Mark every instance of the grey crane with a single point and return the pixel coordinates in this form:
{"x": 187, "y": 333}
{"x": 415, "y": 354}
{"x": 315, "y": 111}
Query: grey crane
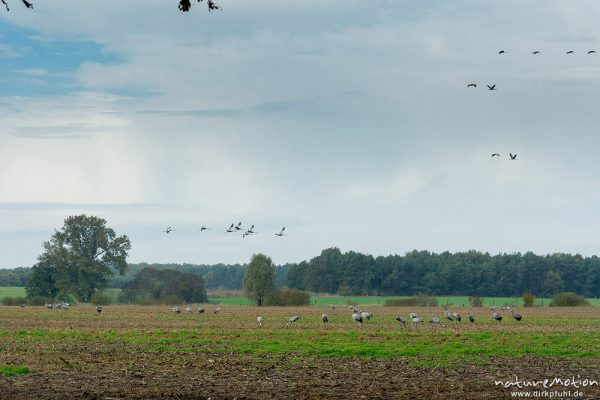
{"x": 280, "y": 234}
{"x": 324, "y": 318}
{"x": 98, "y": 308}
{"x": 435, "y": 320}
{"x": 496, "y": 155}
{"x": 401, "y": 320}
{"x": 497, "y": 317}
{"x": 204, "y": 228}
{"x": 217, "y": 310}
{"x": 366, "y": 315}
{"x": 176, "y": 310}
{"x": 536, "y": 52}
{"x": 415, "y": 319}
{"x": 293, "y": 320}
{"x": 260, "y": 320}
{"x": 471, "y": 85}
{"x": 200, "y": 310}
{"x": 332, "y": 306}
{"x": 493, "y": 87}
{"x": 456, "y": 316}
{"x": 516, "y": 316}
{"x": 169, "y": 230}
{"x": 231, "y": 228}
{"x": 570, "y": 52}
{"x": 502, "y": 52}
{"x": 471, "y": 318}
{"x": 592, "y": 52}
{"x": 357, "y": 317}
{"x": 513, "y": 156}
{"x": 353, "y": 309}
{"x": 238, "y": 227}
{"x": 448, "y": 314}
{"x": 188, "y": 310}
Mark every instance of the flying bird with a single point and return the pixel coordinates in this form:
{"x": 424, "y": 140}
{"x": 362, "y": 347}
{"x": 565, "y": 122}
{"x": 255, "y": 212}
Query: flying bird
{"x": 204, "y": 228}
{"x": 493, "y": 87}
{"x": 281, "y": 233}
{"x": 496, "y": 155}
{"x": 168, "y": 230}
{"x": 513, "y": 156}
{"x": 570, "y": 52}
{"x": 231, "y": 228}
{"x": 251, "y": 230}
{"x": 535, "y": 52}
{"x": 27, "y": 4}
{"x": 238, "y": 227}
{"x": 5, "y": 4}
{"x": 591, "y": 51}
{"x": 472, "y": 85}
{"x": 501, "y": 52}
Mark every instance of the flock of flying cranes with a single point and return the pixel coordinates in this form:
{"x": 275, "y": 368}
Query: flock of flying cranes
{"x": 493, "y": 87}
{"x": 232, "y": 228}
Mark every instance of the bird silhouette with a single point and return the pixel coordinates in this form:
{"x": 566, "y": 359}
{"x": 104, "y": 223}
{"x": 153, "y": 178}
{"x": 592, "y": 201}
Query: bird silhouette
{"x": 238, "y": 227}
{"x": 204, "y": 228}
{"x": 535, "y": 52}
{"x": 501, "y": 52}
{"x": 168, "y": 230}
{"x": 5, "y": 4}
{"x": 212, "y": 6}
{"x": 281, "y": 233}
{"x": 591, "y": 51}
{"x": 496, "y": 155}
{"x": 231, "y": 228}
{"x": 472, "y": 85}
{"x": 251, "y": 230}
{"x": 27, "y": 4}
{"x": 513, "y": 156}
{"x": 570, "y": 52}
{"x": 493, "y": 87}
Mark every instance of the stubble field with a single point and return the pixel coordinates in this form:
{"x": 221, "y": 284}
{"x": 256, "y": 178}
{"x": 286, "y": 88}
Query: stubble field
{"x": 151, "y": 353}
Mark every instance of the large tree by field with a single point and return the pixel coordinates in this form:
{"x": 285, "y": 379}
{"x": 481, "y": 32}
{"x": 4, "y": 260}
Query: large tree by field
{"x": 79, "y": 259}
{"x": 259, "y": 280}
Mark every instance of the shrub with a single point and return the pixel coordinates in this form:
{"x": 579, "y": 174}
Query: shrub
{"x": 13, "y": 301}
{"x": 171, "y": 299}
{"x": 101, "y": 298}
{"x": 295, "y": 297}
{"x": 38, "y": 300}
{"x": 476, "y": 301}
{"x": 420, "y": 300}
{"x": 528, "y": 299}
{"x": 69, "y": 298}
{"x": 287, "y": 297}
{"x": 568, "y": 299}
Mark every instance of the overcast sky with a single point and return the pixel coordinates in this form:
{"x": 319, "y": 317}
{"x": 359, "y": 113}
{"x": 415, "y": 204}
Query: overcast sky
{"x": 348, "y": 122}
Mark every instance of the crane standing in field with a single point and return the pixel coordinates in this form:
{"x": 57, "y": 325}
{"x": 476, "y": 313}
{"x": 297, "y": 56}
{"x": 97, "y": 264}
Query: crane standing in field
{"x": 293, "y": 320}
{"x": 260, "y": 320}
{"x": 325, "y": 318}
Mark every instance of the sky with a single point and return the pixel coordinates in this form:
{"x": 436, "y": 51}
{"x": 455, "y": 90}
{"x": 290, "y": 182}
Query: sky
{"x": 348, "y": 122}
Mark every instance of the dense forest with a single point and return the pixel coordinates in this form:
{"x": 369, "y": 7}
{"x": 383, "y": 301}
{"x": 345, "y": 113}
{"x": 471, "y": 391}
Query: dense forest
{"x": 352, "y": 273}
{"x": 464, "y": 273}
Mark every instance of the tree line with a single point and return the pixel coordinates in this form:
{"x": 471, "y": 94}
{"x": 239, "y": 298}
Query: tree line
{"x": 462, "y": 273}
